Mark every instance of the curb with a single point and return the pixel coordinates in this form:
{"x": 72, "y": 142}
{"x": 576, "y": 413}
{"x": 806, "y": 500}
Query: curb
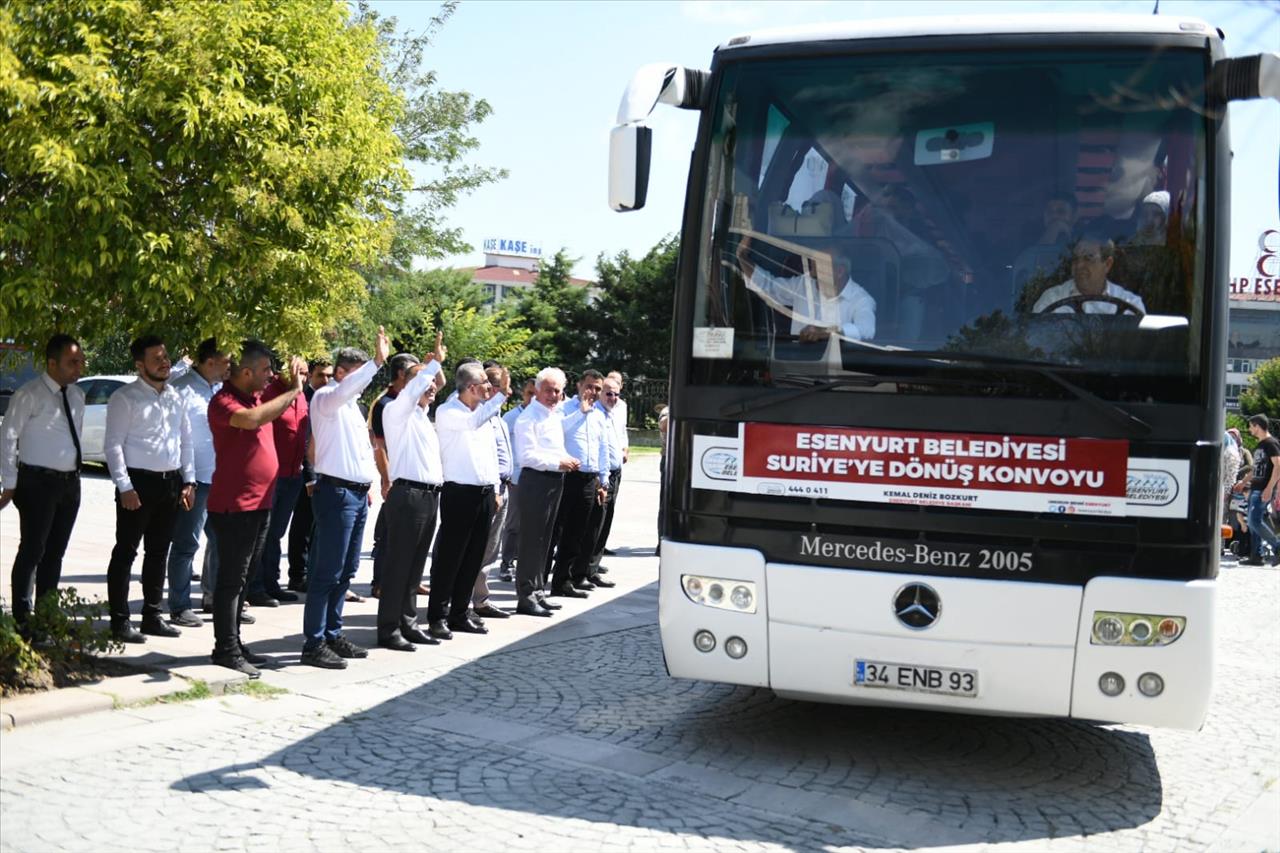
{"x": 148, "y": 684}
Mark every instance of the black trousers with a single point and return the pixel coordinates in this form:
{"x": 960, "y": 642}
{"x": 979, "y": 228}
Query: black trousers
{"x": 466, "y": 512}
{"x": 410, "y": 513}
{"x": 241, "y": 537}
{"x": 578, "y": 521}
{"x": 606, "y": 523}
{"x": 537, "y": 502}
{"x": 379, "y": 554}
{"x": 152, "y": 525}
{"x": 300, "y": 537}
{"x": 47, "y": 502}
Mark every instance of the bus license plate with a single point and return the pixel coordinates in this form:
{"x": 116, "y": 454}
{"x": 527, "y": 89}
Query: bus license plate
{"x": 916, "y": 679}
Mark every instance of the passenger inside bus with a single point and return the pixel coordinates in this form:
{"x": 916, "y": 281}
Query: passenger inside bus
{"x": 1089, "y": 290}
{"x": 818, "y": 308}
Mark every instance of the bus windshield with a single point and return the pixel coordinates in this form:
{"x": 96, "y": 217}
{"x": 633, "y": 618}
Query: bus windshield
{"x": 1021, "y": 207}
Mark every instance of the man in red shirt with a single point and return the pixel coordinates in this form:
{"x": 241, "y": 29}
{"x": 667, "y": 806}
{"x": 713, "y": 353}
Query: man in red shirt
{"x": 291, "y": 431}
{"x": 242, "y": 489}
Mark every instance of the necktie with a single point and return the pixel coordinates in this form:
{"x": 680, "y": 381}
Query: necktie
{"x": 71, "y": 424}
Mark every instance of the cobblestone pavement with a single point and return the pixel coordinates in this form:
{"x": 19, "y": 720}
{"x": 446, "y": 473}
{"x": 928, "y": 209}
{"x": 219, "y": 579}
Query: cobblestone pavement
{"x": 573, "y": 737}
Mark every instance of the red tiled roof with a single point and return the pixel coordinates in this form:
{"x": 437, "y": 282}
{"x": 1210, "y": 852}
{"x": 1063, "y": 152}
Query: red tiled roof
{"x": 509, "y": 275}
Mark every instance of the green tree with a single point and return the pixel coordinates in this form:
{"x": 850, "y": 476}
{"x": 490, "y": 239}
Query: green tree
{"x": 1262, "y": 397}
{"x": 557, "y": 314}
{"x": 434, "y": 128}
{"x": 192, "y": 168}
{"x": 633, "y": 315}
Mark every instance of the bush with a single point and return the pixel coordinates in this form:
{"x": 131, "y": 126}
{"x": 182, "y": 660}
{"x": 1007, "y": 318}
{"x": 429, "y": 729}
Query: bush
{"x": 66, "y": 631}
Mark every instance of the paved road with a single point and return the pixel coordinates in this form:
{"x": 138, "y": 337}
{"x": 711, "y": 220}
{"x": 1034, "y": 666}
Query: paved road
{"x": 567, "y": 734}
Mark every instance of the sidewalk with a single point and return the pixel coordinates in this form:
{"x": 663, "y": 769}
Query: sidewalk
{"x": 172, "y": 666}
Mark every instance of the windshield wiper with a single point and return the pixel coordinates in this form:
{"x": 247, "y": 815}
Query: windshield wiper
{"x": 1115, "y": 413}
{"x": 1131, "y": 422}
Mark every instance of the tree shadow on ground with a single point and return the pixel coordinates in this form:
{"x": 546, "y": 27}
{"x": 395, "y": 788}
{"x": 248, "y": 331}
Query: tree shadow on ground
{"x": 581, "y": 721}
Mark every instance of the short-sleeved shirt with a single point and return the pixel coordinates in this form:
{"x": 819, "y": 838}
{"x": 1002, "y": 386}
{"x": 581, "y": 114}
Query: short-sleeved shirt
{"x": 245, "y": 477}
{"x": 290, "y": 429}
{"x": 375, "y": 413}
{"x": 1262, "y": 463}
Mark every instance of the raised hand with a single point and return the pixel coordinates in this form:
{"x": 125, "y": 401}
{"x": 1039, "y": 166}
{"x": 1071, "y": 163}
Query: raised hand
{"x": 298, "y": 372}
{"x": 381, "y": 347}
{"x": 441, "y": 351}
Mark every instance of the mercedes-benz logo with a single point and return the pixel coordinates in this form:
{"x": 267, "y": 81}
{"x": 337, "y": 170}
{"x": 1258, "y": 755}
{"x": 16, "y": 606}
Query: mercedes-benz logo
{"x": 917, "y": 606}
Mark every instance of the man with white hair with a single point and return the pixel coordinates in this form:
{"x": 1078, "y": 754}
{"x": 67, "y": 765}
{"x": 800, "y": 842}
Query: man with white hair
{"x": 541, "y": 456}
{"x": 468, "y": 500}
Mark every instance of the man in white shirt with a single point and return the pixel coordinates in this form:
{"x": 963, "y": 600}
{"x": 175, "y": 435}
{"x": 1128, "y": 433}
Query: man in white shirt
{"x": 40, "y": 471}
{"x": 468, "y": 500}
{"x": 542, "y": 460}
{"x": 615, "y": 410}
{"x": 197, "y": 387}
{"x": 499, "y": 377}
{"x": 1089, "y": 291}
{"x": 413, "y": 466}
{"x": 818, "y": 309}
{"x": 151, "y": 461}
{"x": 340, "y": 503}
{"x": 511, "y": 528}
{"x": 587, "y": 436}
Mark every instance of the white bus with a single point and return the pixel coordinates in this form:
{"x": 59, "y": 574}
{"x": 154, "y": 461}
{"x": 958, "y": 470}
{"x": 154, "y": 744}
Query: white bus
{"x": 947, "y": 363}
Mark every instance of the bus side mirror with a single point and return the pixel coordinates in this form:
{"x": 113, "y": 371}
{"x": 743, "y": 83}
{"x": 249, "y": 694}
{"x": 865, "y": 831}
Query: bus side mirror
{"x": 630, "y": 148}
{"x": 1244, "y": 78}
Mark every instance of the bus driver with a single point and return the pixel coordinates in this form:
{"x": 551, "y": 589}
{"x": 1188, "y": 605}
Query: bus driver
{"x": 817, "y": 309}
{"x": 1089, "y": 291}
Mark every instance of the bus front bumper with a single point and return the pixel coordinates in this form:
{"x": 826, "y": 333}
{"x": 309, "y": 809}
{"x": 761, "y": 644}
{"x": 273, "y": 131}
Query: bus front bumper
{"x": 994, "y": 646}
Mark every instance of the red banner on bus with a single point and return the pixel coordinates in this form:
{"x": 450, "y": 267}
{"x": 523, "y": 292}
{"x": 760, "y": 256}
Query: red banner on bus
{"x": 989, "y": 462}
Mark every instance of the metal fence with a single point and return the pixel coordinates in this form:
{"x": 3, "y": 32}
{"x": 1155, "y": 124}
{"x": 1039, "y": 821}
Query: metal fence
{"x": 643, "y": 396}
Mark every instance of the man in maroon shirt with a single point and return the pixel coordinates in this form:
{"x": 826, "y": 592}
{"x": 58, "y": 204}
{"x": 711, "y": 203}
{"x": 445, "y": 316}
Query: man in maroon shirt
{"x": 291, "y": 431}
{"x": 242, "y": 489}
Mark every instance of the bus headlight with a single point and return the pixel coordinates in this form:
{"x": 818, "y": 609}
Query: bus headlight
{"x": 735, "y": 647}
{"x": 738, "y": 596}
{"x": 704, "y": 641}
{"x": 1150, "y": 684}
{"x": 1111, "y": 683}
{"x": 1112, "y": 628}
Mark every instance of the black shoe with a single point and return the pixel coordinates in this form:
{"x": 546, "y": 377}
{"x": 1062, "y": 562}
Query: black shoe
{"x": 281, "y": 596}
{"x": 583, "y": 584}
{"x": 488, "y": 611}
{"x": 439, "y": 629}
{"x": 187, "y": 619}
{"x": 396, "y": 643}
{"x": 418, "y": 638}
{"x": 262, "y": 600}
{"x": 527, "y": 607}
{"x": 467, "y": 626}
{"x": 609, "y": 552}
{"x": 323, "y": 657}
{"x": 599, "y": 581}
{"x": 504, "y": 574}
{"x": 255, "y": 659}
{"x": 566, "y": 590}
{"x": 546, "y": 603}
{"x": 297, "y": 586}
{"x": 347, "y": 649}
{"x": 238, "y": 663}
{"x": 157, "y": 627}
{"x": 126, "y": 633}
{"x": 247, "y": 618}
{"x": 206, "y": 604}
{"x": 602, "y": 570}
{"x": 1252, "y": 561}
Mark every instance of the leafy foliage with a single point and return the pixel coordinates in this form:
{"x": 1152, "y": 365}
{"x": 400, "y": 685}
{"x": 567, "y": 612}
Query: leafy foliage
{"x": 192, "y": 168}
{"x": 557, "y": 316}
{"x": 634, "y": 314}
{"x": 70, "y": 629}
{"x": 1263, "y": 394}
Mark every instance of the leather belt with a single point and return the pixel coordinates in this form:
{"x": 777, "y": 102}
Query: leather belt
{"x": 144, "y": 473}
{"x": 414, "y": 484}
{"x": 343, "y": 484}
{"x": 48, "y": 472}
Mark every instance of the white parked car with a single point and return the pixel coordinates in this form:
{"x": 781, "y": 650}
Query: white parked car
{"x": 97, "y": 390}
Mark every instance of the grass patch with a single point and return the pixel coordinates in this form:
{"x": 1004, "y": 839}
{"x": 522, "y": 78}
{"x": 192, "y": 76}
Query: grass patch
{"x": 260, "y": 689}
{"x": 644, "y": 450}
{"x": 198, "y": 690}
